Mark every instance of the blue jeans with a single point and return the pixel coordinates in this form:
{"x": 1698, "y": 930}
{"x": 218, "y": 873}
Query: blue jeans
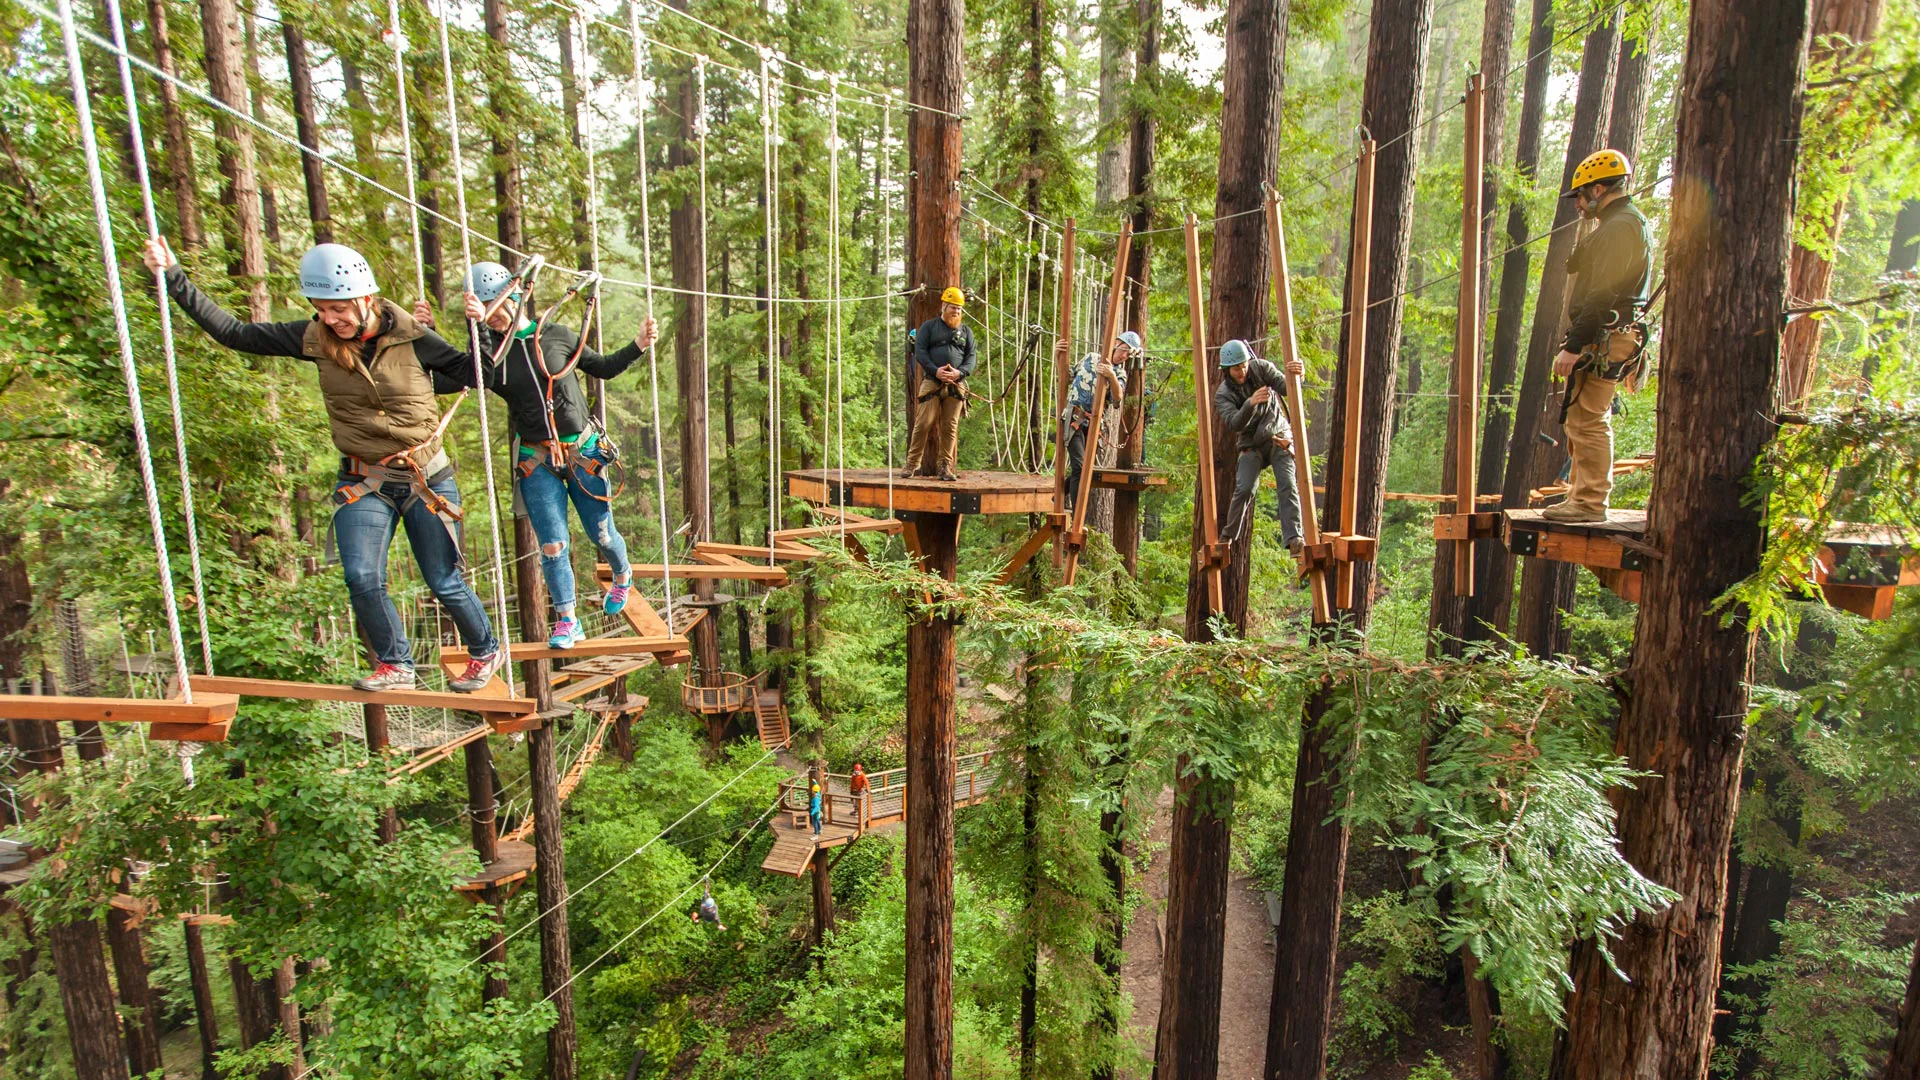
{"x": 545, "y": 497}
{"x": 364, "y": 532}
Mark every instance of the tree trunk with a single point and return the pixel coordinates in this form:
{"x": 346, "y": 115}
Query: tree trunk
{"x": 240, "y": 193}
{"x": 1493, "y": 564}
{"x": 1300, "y": 1016}
{"x": 1140, "y": 146}
{"x": 373, "y": 720}
{"x": 1548, "y": 586}
{"x": 1903, "y": 254}
{"x": 366, "y": 159}
{"x": 742, "y": 622}
{"x": 16, "y": 600}
{"x": 1632, "y": 78}
{"x": 203, "y": 1007}
{"x": 1029, "y": 890}
{"x": 1187, "y": 1043}
{"x": 1810, "y": 274}
{"x": 429, "y": 158}
{"x": 269, "y": 211}
{"x": 300, "y": 77}
{"x": 509, "y": 219}
{"x": 1110, "y": 171}
{"x": 556, "y": 958}
{"x": 1904, "y": 1064}
{"x": 178, "y": 145}
{"x": 1738, "y": 135}
{"x": 93, "y": 1028}
{"x": 483, "y": 818}
{"x": 140, "y": 1017}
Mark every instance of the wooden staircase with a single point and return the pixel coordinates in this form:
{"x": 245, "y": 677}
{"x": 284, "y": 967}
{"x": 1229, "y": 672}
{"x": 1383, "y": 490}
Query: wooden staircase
{"x": 770, "y": 714}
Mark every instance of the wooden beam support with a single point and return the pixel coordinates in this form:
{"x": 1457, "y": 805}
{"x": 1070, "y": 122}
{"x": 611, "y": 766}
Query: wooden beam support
{"x": 1026, "y": 552}
{"x": 1102, "y": 386}
{"x": 768, "y": 575}
{"x": 854, "y": 524}
{"x": 1360, "y": 273}
{"x": 1467, "y": 333}
{"x": 1213, "y": 557}
{"x": 1296, "y": 414}
{"x": 209, "y": 706}
{"x": 606, "y": 646}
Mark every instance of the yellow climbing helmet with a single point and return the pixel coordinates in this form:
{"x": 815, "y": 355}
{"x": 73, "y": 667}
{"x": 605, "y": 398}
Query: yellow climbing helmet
{"x": 953, "y": 295}
{"x": 1598, "y": 166}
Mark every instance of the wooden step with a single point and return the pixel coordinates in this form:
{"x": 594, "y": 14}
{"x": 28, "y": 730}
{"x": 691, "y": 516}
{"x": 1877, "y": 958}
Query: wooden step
{"x": 791, "y": 855}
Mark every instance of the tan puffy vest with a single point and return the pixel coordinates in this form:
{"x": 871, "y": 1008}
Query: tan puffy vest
{"x": 383, "y": 409}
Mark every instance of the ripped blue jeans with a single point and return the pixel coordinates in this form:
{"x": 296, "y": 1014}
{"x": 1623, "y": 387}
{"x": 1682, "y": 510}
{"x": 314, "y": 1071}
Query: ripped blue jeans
{"x": 545, "y": 497}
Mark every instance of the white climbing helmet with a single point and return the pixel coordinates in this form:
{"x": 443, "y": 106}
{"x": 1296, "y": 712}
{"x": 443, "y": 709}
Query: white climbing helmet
{"x": 486, "y": 280}
{"x": 335, "y": 272}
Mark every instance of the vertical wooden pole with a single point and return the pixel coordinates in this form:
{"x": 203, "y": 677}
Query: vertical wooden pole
{"x": 1359, "y": 274}
{"x": 1466, "y": 345}
{"x": 550, "y": 881}
{"x": 822, "y": 897}
{"x": 375, "y": 719}
{"x": 1062, "y": 362}
{"x": 1203, "y": 421}
{"x": 1077, "y": 533}
{"x": 1296, "y": 414}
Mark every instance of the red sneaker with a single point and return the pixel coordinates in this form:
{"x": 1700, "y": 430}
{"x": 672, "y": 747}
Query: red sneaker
{"x": 479, "y": 672}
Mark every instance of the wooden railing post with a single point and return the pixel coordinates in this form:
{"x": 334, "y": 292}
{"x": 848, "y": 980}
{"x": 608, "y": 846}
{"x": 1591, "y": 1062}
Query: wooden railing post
{"x": 1359, "y": 274}
{"x": 1214, "y": 557}
{"x": 1296, "y": 414}
{"x": 1466, "y": 346}
{"x": 1090, "y": 455}
{"x": 1060, "y": 367}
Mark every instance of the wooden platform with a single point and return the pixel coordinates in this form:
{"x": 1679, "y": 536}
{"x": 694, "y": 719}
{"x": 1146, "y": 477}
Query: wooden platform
{"x": 422, "y": 699}
{"x": 1858, "y": 569}
{"x": 1130, "y": 479}
{"x": 205, "y": 720}
{"x": 847, "y": 818}
{"x": 601, "y": 646}
{"x": 975, "y": 492}
{"x": 513, "y": 866}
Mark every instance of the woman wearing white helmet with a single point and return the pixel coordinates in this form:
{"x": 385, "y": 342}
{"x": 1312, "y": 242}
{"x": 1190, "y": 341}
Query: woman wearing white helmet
{"x": 562, "y": 457}
{"x": 377, "y": 366}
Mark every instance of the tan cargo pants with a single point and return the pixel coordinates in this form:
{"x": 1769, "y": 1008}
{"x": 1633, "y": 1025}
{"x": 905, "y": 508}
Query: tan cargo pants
{"x": 935, "y": 442}
{"x": 1589, "y": 429}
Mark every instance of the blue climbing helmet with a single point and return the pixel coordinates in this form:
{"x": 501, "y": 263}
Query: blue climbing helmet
{"x": 487, "y": 280}
{"x": 335, "y": 272}
{"x": 1234, "y": 353}
{"x": 1130, "y": 339}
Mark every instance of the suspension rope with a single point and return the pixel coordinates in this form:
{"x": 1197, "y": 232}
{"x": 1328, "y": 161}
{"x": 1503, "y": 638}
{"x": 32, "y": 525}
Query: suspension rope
{"x": 593, "y": 198}
{"x": 830, "y": 399}
{"x": 110, "y": 263}
{"x": 505, "y": 632}
{"x": 139, "y": 143}
{"x": 887, "y": 341}
{"x": 770, "y": 251}
{"x": 646, "y": 264}
{"x": 396, "y": 40}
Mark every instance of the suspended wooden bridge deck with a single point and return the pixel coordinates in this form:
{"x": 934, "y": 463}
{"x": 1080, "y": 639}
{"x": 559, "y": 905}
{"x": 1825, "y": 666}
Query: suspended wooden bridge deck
{"x": 846, "y": 817}
{"x": 975, "y": 492}
{"x": 1858, "y": 570}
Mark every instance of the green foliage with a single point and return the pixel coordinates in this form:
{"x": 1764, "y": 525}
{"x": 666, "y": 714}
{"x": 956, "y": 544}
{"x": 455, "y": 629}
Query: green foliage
{"x": 1402, "y": 938}
{"x": 1829, "y": 991}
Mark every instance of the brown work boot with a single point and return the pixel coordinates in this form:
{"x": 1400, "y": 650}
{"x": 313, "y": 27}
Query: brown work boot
{"x": 1569, "y": 514}
{"x": 948, "y": 475}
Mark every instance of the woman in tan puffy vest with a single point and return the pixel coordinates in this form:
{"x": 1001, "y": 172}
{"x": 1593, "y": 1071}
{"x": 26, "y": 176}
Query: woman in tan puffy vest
{"x": 376, "y": 364}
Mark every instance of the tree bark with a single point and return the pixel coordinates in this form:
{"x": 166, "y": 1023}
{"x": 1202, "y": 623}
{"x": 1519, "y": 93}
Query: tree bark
{"x": 1307, "y": 938}
{"x": 1904, "y": 1063}
{"x": 822, "y": 900}
{"x": 1547, "y": 586}
{"x": 250, "y": 53}
{"x": 556, "y": 957}
{"x": 483, "y": 818}
{"x": 366, "y": 159}
{"x": 509, "y": 217}
{"x": 93, "y": 1027}
{"x": 178, "y": 146}
{"x": 1029, "y": 888}
{"x": 429, "y": 158}
{"x": 1110, "y": 171}
{"x": 240, "y": 194}
{"x": 936, "y": 81}
{"x": 1139, "y": 279}
{"x": 742, "y": 623}
{"x": 140, "y": 1018}
{"x": 300, "y": 78}
{"x": 373, "y": 719}
{"x": 1738, "y": 136}
{"x": 205, "y": 1018}
{"x": 1810, "y": 275}
{"x": 1632, "y": 78}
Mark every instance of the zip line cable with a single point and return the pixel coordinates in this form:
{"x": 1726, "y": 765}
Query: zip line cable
{"x": 705, "y": 875}
{"x": 646, "y": 263}
{"x": 700, "y": 124}
{"x": 110, "y": 263}
{"x": 139, "y": 143}
{"x": 505, "y": 633}
{"x": 630, "y": 856}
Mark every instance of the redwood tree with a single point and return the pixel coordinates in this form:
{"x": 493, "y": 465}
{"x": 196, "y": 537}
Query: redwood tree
{"x": 1307, "y": 937}
{"x": 1683, "y": 723}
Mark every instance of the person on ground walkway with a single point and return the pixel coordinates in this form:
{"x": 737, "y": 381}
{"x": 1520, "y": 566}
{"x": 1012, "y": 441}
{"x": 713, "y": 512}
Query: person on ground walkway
{"x": 560, "y": 454}
{"x": 1088, "y": 379}
{"x": 813, "y": 808}
{"x": 944, "y": 354}
{"x": 1249, "y": 400}
{"x": 859, "y": 787}
{"x": 1606, "y": 336}
{"x": 378, "y": 368}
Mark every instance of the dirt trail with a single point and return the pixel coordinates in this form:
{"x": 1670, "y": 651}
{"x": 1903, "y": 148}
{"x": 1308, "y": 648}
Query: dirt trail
{"x": 1248, "y": 979}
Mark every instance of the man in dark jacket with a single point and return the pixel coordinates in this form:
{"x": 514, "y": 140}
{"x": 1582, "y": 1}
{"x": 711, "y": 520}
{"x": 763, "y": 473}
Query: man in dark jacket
{"x": 943, "y": 354}
{"x": 1248, "y": 399}
{"x": 1605, "y": 336}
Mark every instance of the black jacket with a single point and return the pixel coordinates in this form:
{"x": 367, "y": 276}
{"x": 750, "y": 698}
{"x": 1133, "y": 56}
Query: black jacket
{"x": 1612, "y": 268}
{"x": 520, "y": 383}
{"x": 1257, "y": 424}
{"x": 938, "y": 345}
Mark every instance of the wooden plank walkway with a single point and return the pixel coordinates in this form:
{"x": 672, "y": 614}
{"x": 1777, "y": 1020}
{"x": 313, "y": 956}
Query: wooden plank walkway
{"x": 847, "y": 818}
{"x": 975, "y": 492}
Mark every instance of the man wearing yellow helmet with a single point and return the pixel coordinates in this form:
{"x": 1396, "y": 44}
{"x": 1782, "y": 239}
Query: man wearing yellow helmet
{"x": 1605, "y": 335}
{"x": 943, "y": 355}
